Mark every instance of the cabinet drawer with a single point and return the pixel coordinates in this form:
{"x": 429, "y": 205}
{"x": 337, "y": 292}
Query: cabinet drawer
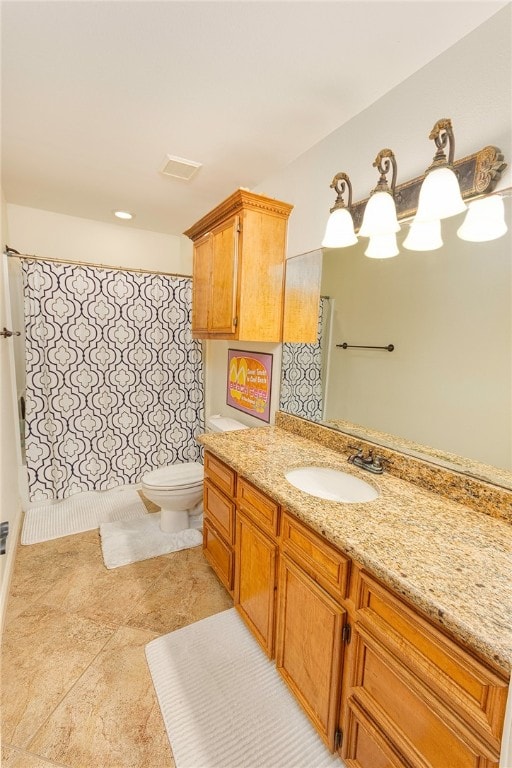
{"x": 219, "y": 511}
{"x": 220, "y": 474}
{"x": 462, "y": 683}
{"x": 259, "y": 507}
{"x": 321, "y": 560}
{"x": 414, "y": 720}
{"x": 219, "y": 555}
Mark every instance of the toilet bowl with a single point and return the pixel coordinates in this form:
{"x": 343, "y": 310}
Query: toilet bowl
{"x": 178, "y": 488}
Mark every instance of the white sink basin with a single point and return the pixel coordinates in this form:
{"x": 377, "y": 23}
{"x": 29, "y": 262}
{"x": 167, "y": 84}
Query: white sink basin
{"x": 331, "y": 484}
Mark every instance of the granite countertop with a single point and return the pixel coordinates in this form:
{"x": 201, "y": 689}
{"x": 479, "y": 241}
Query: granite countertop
{"x": 453, "y": 563}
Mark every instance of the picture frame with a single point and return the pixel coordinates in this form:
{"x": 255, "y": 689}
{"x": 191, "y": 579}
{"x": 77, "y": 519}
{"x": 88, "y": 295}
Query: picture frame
{"x": 249, "y": 382}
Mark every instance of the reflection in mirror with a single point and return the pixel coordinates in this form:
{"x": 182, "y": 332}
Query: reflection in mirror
{"x": 448, "y": 382}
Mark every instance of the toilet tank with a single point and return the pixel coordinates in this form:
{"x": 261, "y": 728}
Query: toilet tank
{"x": 223, "y": 424}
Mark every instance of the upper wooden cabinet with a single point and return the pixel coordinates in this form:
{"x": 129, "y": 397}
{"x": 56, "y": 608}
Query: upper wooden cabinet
{"x": 302, "y": 298}
{"x": 238, "y": 269}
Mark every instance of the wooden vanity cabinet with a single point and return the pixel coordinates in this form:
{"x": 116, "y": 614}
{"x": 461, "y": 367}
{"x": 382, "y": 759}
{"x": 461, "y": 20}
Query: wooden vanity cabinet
{"x": 256, "y": 557}
{"x": 238, "y": 269}
{"x": 417, "y": 691}
{"x": 219, "y": 519}
{"x": 382, "y": 684}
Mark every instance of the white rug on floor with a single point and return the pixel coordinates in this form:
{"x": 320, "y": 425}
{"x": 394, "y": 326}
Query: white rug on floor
{"x": 81, "y": 512}
{"x": 130, "y": 541}
{"x": 224, "y": 703}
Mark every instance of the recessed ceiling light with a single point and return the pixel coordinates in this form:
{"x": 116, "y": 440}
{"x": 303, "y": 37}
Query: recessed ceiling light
{"x": 124, "y": 214}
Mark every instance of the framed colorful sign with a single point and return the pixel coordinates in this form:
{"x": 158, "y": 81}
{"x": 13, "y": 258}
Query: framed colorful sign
{"x": 249, "y": 382}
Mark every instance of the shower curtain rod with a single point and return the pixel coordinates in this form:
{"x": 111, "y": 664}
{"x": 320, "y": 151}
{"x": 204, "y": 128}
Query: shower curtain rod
{"x": 14, "y": 253}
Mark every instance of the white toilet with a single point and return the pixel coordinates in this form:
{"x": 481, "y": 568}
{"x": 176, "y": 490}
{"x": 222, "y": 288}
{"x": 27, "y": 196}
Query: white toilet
{"x": 178, "y": 488}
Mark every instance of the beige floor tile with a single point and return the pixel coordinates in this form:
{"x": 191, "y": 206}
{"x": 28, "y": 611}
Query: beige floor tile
{"x": 45, "y": 650}
{"x": 188, "y": 591}
{"x": 103, "y": 595}
{"x": 39, "y": 567}
{"x": 111, "y": 717}
{"x": 15, "y": 758}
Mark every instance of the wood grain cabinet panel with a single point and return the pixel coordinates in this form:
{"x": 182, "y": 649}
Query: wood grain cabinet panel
{"x": 219, "y": 555}
{"x": 258, "y": 506}
{"x": 366, "y": 745}
{"x": 321, "y": 560}
{"x": 220, "y": 511}
{"x": 202, "y": 264}
{"x": 412, "y": 719}
{"x": 239, "y": 253}
{"x": 255, "y": 585}
{"x": 220, "y": 474}
{"x": 219, "y": 519}
{"x": 309, "y": 646}
{"x": 467, "y": 687}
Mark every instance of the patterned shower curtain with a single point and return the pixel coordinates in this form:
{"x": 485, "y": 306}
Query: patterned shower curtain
{"x": 114, "y": 378}
{"x": 302, "y": 371}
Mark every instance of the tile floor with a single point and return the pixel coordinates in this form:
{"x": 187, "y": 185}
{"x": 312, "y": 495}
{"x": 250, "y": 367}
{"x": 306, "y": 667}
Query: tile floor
{"x": 76, "y": 690}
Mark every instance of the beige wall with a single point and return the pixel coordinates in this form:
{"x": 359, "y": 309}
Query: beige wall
{"x": 458, "y": 85}
{"x": 471, "y": 83}
{"x": 56, "y": 236}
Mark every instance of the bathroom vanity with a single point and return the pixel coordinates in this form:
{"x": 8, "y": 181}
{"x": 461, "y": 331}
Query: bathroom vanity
{"x": 389, "y": 620}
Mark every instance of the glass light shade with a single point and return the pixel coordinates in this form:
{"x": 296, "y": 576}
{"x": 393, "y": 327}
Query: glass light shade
{"x": 485, "y": 220}
{"x": 424, "y": 236}
{"x": 339, "y": 232}
{"x": 440, "y": 196}
{"x": 382, "y": 246}
{"x": 379, "y": 216}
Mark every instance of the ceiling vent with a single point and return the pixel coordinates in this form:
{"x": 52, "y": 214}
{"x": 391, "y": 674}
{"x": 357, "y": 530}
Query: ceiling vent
{"x": 179, "y": 168}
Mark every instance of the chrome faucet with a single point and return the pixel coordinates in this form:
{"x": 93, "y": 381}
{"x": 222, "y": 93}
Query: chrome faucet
{"x": 370, "y": 462}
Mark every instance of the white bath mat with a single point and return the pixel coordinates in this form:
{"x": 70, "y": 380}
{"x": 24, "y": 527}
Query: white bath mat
{"x": 81, "y": 512}
{"x": 129, "y": 541}
{"x": 224, "y": 703}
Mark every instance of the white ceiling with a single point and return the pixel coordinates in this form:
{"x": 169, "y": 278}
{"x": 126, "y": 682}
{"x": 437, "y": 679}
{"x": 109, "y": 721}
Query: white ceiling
{"x": 95, "y": 94}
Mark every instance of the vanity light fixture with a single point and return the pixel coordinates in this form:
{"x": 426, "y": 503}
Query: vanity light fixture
{"x": 424, "y": 236}
{"x": 125, "y": 215}
{"x": 471, "y": 178}
{"x": 380, "y": 212}
{"x": 440, "y": 195}
{"x": 339, "y": 232}
{"x": 382, "y": 246}
{"x": 485, "y": 220}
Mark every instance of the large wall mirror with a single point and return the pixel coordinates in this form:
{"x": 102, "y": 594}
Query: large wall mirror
{"x": 445, "y": 391}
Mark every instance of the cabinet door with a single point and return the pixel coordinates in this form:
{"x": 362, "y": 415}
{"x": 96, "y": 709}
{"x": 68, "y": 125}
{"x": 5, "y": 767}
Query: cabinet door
{"x": 255, "y": 581}
{"x": 201, "y": 284}
{"x": 309, "y": 646}
{"x": 224, "y": 275}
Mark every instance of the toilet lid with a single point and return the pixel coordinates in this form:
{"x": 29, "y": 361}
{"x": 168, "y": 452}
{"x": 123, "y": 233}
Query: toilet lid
{"x": 175, "y": 475}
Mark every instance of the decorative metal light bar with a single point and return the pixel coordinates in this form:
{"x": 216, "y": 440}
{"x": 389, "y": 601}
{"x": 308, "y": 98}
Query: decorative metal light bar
{"x": 478, "y": 175}
{"x": 466, "y": 179}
